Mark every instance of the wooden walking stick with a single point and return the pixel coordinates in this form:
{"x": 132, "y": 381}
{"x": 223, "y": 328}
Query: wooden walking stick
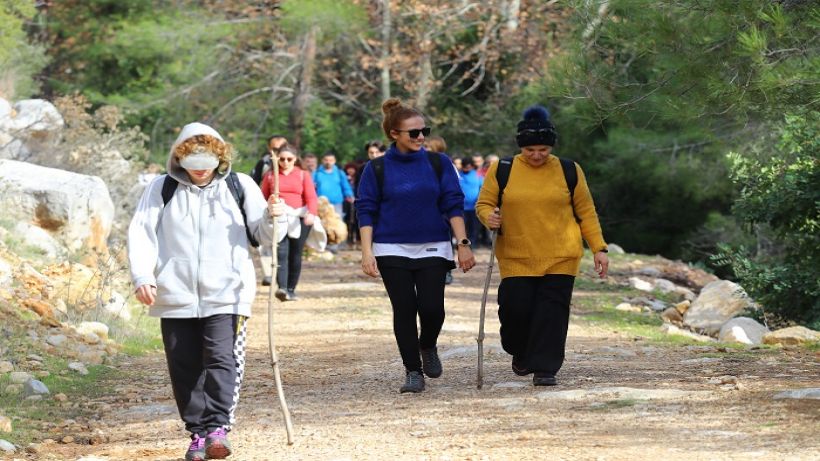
{"x": 480, "y": 338}
{"x": 277, "y": 377}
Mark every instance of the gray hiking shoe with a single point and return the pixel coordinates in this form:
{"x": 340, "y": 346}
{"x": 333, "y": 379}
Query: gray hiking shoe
{"x": 217, "y": 445}
{"x": 430, "y": 362}
{"x": 281, "y": 295}
{"x": 196, "y": 451}
{"x": 413, "y": 382}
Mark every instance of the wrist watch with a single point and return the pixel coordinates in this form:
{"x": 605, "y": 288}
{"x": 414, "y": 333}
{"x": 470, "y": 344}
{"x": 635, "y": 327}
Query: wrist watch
{"x": 464, "y": 242}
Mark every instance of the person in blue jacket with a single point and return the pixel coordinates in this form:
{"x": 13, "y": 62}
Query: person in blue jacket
{"x": 331, "y": 182}
{"x": 404, "y": 220}
{"x": 470, "y": 185}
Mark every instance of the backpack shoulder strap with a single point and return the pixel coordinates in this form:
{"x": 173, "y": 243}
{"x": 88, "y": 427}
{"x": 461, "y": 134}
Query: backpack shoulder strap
{"x": 238, "y": 193}
{"x": 502, "y": 175}
{"x": 378, "y": 170}
{"x": 571, "y": 177}
{"x": 435, "y": 161}
{"x": 169, "y": 186}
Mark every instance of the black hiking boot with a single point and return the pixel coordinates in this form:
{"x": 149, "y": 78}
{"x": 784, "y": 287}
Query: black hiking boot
{"x": 430, "y": 362}
{"x": 542, "y": 378}
{"x": 413, "y": 382}
{"x": 518, "y": 369}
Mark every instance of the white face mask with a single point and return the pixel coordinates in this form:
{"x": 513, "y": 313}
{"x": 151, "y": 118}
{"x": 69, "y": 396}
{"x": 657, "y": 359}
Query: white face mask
{"x": 199, "y": 161}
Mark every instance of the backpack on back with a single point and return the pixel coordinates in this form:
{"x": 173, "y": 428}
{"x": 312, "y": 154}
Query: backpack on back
{"x": 502, "y": 175}
{"x": 169, "y": 186}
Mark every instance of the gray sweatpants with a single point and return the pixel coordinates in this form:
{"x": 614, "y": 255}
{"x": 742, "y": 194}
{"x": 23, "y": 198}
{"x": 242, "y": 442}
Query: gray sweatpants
{"x": 206, "y": 361}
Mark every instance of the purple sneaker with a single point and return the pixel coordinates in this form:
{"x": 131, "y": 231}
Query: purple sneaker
{"x": 217, "y": 445}
{"x": 196, "y": 451}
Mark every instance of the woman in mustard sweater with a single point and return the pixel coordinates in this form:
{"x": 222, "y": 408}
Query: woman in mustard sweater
{"x": 539, "y": 246}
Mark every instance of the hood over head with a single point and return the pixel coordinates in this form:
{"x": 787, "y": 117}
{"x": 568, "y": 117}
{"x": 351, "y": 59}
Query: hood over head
{"x": 210, "y": 151}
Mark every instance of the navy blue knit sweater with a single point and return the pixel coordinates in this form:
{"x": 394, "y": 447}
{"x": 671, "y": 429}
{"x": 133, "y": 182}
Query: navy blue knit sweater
{"x": 414, "y": 206}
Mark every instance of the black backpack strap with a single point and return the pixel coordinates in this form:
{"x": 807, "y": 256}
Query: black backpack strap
{"x": 378, "y": 170}
{"x": 502, "y": 175}
{"x": 571, "y": 177}
{"x": 435, "y": 161}
{"x": 238, "y": 193}
{"x": 169, "y": 186}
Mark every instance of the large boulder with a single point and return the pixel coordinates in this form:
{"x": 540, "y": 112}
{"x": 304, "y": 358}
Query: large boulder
{"x": 792, "y": 336}
{"x": 75, "y": 209}
{"x": 717, "y": 303}
{"x": 742, "y": 330}
{"x": 34, "y": 122}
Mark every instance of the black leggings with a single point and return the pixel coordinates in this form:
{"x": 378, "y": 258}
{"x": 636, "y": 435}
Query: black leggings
{"x": 415, "y": 292}
{"x": 289, "y": 255}
{"x": 534, "y": 315}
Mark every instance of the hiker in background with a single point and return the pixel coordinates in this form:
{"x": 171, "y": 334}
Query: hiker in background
{"x": 470, "y": 185}
{"x": 264, "y": 164}
{"x": 372, "y": 149}
{"x": 437, "y": 145}
{"x": 456, "y": 162}
{"x": 406, "y": 199}
{"x": 478, "y": 164}
{"x": 310, "y": 163}
{"x": 539, "y": 245}
{"x": 260, "y": 170}
{"x": 297, "y": 191}
{"x": 190, "y": 261}
{"x": 482, "y": 233}
{"x": 331, "y": 182}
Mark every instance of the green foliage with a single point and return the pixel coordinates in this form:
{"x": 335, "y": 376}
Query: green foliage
{"x": 20, "y": 60}
{"x": 333, "y": 17}
{"x": 781, "y": 187}
{"x": 648, "y": 100}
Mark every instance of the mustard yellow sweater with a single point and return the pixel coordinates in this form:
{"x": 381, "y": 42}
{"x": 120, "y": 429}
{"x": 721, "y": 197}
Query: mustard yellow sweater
{"x": 540, "y": 235}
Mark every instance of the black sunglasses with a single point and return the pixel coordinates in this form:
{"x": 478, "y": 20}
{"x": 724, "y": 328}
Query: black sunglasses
{"x": 287, "y": 159}
{"x": 415, "y": 133}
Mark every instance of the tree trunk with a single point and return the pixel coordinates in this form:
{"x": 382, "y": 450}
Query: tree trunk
{"x": 426, "y": 76}
{"x": 385, "y": 58}
{"x": 301, "y": 96}
{"x": 511, "y": 11}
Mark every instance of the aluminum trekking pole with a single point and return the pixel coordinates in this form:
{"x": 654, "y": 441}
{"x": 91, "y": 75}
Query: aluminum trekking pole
{"x": 277, "y": 377}
{"x": 480, "y": 338}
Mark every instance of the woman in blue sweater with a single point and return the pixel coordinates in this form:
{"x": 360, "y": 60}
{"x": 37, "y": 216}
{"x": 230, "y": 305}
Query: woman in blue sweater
{"x": 406, "y": 199}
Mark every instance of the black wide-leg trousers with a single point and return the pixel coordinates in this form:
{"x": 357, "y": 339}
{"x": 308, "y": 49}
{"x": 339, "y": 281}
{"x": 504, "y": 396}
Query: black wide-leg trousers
{"x": 534, "y": 315}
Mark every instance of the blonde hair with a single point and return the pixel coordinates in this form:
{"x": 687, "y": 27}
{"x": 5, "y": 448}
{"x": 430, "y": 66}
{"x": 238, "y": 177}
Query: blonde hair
{"x": 435, "y": 144}
{"x": 396, "y": 112}
{"x": 206, "y": 143}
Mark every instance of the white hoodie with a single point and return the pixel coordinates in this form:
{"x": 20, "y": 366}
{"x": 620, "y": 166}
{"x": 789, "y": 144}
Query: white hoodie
{"x": 195, "y": 250}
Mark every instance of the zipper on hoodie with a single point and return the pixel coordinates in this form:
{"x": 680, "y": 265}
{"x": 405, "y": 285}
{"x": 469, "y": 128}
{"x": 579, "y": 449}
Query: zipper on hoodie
{"x": 197, "y": 192}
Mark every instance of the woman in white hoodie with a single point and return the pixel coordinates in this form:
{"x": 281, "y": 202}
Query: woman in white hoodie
{"x": 188, "y": 246}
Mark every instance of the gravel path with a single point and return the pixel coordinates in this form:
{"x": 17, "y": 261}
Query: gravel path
{"x": 619, "y": 398}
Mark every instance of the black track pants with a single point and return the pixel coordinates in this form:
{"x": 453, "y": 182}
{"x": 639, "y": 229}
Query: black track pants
{"x": 534, "y": 315}
{"x": 206, "y": 361}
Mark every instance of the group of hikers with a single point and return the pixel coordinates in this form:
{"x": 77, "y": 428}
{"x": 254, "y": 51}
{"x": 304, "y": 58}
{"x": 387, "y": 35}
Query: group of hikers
{"x": 190, "y": 240}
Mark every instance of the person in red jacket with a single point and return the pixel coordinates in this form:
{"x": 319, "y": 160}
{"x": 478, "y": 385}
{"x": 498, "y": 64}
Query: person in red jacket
{"x": 296, "y": 189}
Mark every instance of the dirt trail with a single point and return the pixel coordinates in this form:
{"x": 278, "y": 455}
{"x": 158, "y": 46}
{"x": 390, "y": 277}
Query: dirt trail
{"x": 342, "y": 371}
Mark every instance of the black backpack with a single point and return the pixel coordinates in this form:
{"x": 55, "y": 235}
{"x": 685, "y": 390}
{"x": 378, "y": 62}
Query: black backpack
{"x": 169, "y": 186}
{"x": 502, "y": 175}
{"x": 378, "y": 168}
